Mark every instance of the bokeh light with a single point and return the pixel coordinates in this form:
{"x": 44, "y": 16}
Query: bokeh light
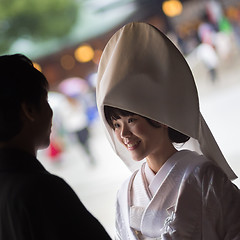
{"x": 37, "y": 66}
{"x": 172, "y": 8}
{"x": 67, "y": 62}
{"x": 84, "y": 53}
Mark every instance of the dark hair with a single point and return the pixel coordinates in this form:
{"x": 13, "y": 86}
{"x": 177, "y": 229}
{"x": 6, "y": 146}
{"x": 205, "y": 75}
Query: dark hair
{"x": 112, "y": 113}
{"x": 20, "y": 82}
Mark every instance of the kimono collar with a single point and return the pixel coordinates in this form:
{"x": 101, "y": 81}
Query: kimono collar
{"x": 149, "y": 174}
{"x": 143, "y": 72}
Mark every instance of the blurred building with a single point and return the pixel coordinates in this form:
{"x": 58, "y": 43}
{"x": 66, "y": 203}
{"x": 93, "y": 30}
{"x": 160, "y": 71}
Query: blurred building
{"x": 80, "y": 59}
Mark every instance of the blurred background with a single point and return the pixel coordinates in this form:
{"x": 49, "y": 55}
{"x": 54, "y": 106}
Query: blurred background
{"x": 65, "y": 39}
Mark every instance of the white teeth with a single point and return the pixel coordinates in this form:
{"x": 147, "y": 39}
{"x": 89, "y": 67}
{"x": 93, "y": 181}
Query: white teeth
{"x": 130, "y": 145}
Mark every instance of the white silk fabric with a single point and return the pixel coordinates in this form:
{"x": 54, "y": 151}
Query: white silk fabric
{"x": 189, "y": 198}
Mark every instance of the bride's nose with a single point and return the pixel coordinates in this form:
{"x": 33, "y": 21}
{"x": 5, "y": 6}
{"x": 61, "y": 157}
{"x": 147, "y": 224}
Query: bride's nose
{"x": 125, "y": 131}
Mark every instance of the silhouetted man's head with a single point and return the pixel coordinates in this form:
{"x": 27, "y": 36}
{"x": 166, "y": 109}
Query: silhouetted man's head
{"x": 20, "y": 83}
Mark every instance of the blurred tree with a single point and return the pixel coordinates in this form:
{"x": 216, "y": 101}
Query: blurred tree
{"x": 35, "y": 20}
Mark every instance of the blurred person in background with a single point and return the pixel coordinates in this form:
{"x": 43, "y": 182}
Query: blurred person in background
{"x": 75, "y": 124}
{"x": 208, "y": 56}
{"x": 74, "y": 115}
{"x": 148, "y": 102}
{"x": 34, "y": 204}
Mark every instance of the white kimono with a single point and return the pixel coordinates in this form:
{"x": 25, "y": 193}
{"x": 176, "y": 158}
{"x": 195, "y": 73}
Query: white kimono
{"x": 189, "y": 198}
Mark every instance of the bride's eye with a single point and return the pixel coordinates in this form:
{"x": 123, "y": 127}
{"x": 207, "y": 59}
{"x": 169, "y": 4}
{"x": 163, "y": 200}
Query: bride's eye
{"x": 131, "y": 120}
{"x": 116, "y": 125}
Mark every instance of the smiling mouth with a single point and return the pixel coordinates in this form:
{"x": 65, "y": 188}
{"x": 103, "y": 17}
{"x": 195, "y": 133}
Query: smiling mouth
{"x": 132, "y": 146}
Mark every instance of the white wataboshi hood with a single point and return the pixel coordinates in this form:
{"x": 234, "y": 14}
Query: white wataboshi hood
{"x": 142, "y": 71}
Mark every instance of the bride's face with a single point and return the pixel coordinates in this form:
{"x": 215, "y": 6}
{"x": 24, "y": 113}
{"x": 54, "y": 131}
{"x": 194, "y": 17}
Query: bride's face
{"x": 141, "y": 138}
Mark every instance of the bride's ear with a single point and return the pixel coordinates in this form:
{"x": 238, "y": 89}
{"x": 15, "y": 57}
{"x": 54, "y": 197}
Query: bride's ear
{"x": 28, "y": 111}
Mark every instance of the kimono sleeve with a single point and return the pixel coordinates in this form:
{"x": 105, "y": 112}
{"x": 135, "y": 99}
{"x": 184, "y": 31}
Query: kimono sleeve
{"x": 123, "y": 230}
{"x": 208, "y": 207}
{"x": 118, "y": 221}
{"x": 221, "y": 204}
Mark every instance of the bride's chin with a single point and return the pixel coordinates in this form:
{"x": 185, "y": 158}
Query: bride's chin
{"x": 137, "y": 158}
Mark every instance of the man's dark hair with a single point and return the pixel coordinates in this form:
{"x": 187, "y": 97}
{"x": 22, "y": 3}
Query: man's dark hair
{"x": 112, "y": 113}
{"x": 20, "y": 82}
